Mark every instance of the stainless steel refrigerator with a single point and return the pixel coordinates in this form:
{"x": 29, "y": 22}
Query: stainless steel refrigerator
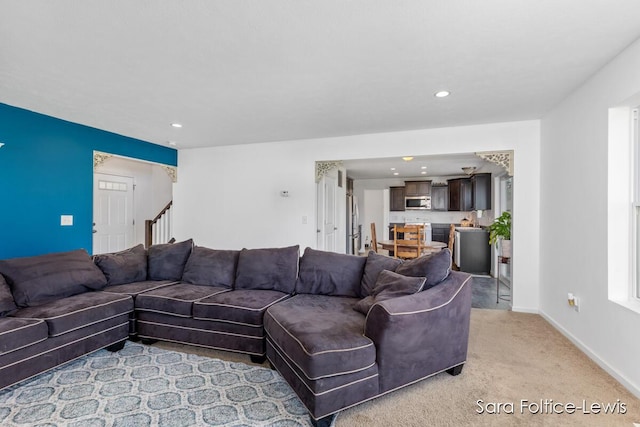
{"x": 354, "y": 228}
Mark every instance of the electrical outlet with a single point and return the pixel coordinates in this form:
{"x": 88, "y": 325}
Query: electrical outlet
{"x": 66, "y": 220}
{"x": 573, "y": 301}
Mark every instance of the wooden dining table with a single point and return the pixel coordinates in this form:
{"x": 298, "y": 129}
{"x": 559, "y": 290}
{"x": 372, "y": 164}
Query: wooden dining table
{"x": 430, "y": 248}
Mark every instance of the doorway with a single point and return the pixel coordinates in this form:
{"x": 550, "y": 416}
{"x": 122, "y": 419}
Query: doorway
{"x": 151, "y": 187}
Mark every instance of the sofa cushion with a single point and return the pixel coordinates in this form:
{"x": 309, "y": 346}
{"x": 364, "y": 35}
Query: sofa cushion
{"x": 390, "y": 285}
{"x": 374, "y": 265}
{"x": 75, "y": 312}
{"x": 323, "y": 335}
{"x": 268, "y": 269}
{"x": 38, "y": 279}
{"x": 435, "y": 267}
{"x": 330, "y": 273}
{"x": 211, "y": 267}
{"x": 136, "y": 288}
{"x": 167, "y": 261}
{"x": 7, "y": 304}
{"x": 20, "y": 333}
{"x": 242, "y": 306}
{"x": 176, "y": 299}
{"x": 126, "y": 266}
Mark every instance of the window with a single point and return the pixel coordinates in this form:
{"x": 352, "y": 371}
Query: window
{"x": 635, "y": 134}
{"x": 623, "y": 204}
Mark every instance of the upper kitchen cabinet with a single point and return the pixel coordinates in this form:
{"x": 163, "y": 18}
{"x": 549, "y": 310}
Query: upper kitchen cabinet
{"x": 460, "y": 195}
{"x": 439, "y": 198}
{"x": 481, "y": 191}
{"x": 417, "y": 188}
{"x": 396, "y": 196}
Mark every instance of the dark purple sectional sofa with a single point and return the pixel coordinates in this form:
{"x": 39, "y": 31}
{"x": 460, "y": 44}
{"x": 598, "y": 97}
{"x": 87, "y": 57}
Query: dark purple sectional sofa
{"x": 341, "y": 329}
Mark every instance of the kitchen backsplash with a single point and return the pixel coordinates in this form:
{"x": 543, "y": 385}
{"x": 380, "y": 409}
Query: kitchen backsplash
{"x": 438, "y": 217}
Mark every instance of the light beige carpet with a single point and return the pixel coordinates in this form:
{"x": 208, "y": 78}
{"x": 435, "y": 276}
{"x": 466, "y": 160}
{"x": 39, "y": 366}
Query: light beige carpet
{"x": 512, "y": 357}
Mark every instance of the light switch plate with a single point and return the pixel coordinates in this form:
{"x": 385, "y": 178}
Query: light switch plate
{"x": 66, "y": 220}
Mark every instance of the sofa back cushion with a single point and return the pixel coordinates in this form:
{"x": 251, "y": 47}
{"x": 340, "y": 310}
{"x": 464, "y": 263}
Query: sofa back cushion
{"x": 7, "y": 304}
{"x": 127, "y": 266}
{"x": 211, "y": 267}
{"x": 166, "y": 261}
{"x": 269, "y": 269}
{"x": 390, "y": 285}
{"x": 38, "y": 279}
{"x": 330, "y": 273}
{"x": 372, "y": 268}
{"x": 435, "y": 267}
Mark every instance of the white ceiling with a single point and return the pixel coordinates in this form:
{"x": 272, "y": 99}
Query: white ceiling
{"x": 439, "y": 167}
{"x": 242, "y": 71}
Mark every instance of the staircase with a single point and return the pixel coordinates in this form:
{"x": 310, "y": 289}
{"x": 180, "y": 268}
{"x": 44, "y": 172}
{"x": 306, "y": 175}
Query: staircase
{"x": 159, "y": 229}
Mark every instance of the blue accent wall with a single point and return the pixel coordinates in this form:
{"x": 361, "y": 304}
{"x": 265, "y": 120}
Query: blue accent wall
{"x": 46, "y": 170}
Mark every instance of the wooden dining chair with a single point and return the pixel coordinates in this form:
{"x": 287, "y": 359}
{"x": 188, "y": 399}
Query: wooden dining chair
{"x": 374, "y": 239}
{"x": 452, "y": 238}
{"x": 408, "y": 241}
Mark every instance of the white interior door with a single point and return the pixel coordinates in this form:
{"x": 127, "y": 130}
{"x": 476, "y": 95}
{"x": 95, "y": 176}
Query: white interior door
{"x": 327, "y": 213}
{"x": 113, "y": 224}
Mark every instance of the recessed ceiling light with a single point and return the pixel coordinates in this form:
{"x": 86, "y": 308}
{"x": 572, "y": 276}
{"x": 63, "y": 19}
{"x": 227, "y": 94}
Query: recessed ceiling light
{"x": 442, "y": 94}
{"x": 396, "y": 173}
{"x": 176, "y": 125}
{"x": 393, "y": 169}
{"x": 173, "y": 143}
{"x": 423, "y": 167}
{"x": 423, "y": 172}
{"x": 407, "y": 158}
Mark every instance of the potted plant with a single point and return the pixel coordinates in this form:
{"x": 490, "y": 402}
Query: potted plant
{"x": 500, "y": 230}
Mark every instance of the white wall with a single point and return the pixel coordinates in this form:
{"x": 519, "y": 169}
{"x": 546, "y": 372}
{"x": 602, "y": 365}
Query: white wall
{"x": 227, "y": 197}
{"x": 574, "y": 185}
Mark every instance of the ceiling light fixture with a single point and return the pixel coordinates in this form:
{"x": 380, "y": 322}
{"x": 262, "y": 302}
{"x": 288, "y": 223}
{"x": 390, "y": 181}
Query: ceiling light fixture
{"x": 423, "y": 172}
{"x": 407, "y": 158}
{"x": 442, "y": 94}
{"x": 396, "y": 173}
{"x": 423, "y": 167}
{"x": 176, "y": 125}
{"x": 173, "y": 143}
{"x": 393, "y": 169}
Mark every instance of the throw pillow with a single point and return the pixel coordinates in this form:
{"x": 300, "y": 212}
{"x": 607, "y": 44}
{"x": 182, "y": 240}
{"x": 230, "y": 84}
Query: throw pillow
{"x": 7, "y": 304}
{"x": 374, "y": 265}
{"x": 269, "y": 269}
{"x": 436, "y": 267}
{"x": 211, "y": 267}
{"x": 166, "y": 261}
{"x": 390, "y": 285}
{"x": 127, "y": 266}
{"x": 38, "y": 279}
{"x": 330, "y": 273}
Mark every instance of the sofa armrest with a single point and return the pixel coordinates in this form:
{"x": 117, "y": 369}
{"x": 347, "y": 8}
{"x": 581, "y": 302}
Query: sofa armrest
{"x": 421, "y": 334}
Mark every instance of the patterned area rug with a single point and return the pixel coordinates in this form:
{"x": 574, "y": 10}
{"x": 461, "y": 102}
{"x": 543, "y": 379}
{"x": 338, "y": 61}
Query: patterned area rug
{"x": 147, "y": 386}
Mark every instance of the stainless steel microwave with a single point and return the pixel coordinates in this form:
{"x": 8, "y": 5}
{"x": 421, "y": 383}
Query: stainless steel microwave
{"x": 417, "y": 203}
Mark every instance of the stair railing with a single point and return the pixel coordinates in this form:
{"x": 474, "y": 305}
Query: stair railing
{"x": 159, "y": 229}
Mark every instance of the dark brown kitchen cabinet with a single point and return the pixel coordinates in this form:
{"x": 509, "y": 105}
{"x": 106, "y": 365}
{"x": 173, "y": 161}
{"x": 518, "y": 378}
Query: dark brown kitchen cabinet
{"x": 481, "y": 191}
{"x": 460, "y": 195}
{"x": 396, "y": 196}
{"x": 417, "y": 188}
{"x": 439, "y": 198}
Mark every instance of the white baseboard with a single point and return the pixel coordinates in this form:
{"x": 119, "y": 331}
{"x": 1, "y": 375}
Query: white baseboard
{"x": 633, "y": 388}
{"x": 525, "y": 310}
